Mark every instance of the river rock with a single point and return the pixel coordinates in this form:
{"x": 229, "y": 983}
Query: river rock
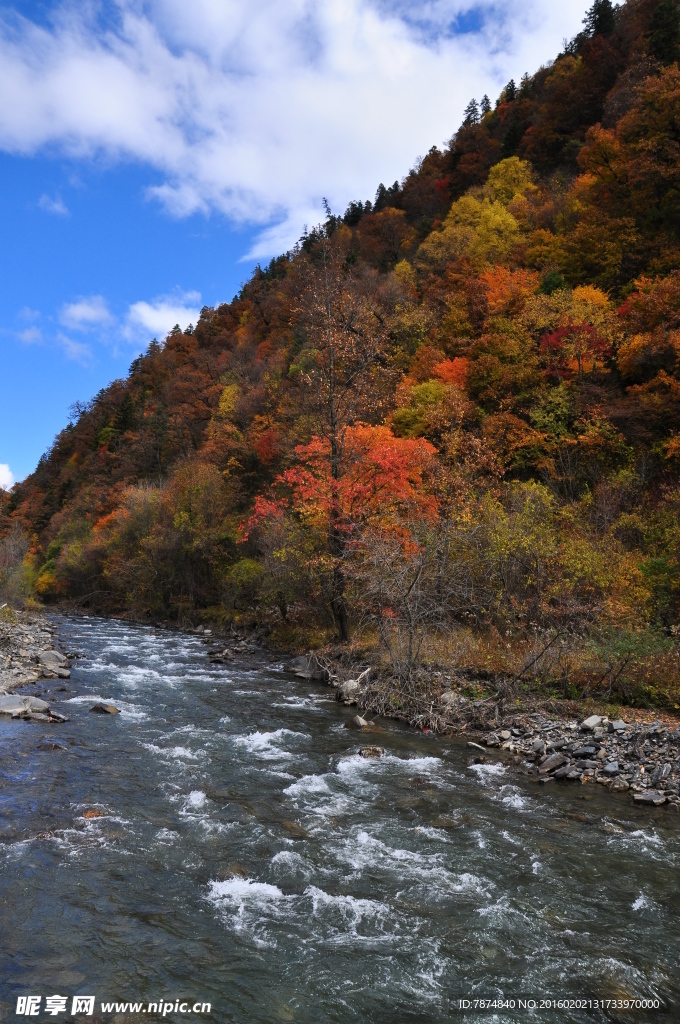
{"x": 13, "y": 705}
{"x": 551, "y": 763}
{"x": 357, "y": 723}
{"x": 348, "y": 689}
{"x": 372, "y": 751}
{"x": 650, "y": 796}
{"x": 17, "y": 705}
{"x": 53, "y": 663}
{"x": 592, "y": 723}
{"x": 661, "y": 773}
{"x": 611, "y": 769}
{"x": 104, "y": 709}
{"x": 617, "y": 726}
{"x": 300, "y": 666}
{"x": 619, "y": 785}
{"x": 304, "y": 667}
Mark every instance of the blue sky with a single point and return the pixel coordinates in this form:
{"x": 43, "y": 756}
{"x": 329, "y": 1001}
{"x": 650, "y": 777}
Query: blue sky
{"x": 152, "y": 151}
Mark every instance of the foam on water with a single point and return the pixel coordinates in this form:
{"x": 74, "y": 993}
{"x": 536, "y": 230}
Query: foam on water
{"x": 356, "y": 767}
{"x": 347, "y": 914}
{"x": 167, "y": 835}
{"x": 512, "y": 797}
{"x": 268, "y": 745}
{"x": 488, "y": 771}
{"x": 238, "y": 891}
{"x": 309, "y": 785}
{"x": 175, "y": 753}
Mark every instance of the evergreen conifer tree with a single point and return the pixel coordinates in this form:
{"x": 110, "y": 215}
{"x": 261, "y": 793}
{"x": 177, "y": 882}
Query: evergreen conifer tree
{"x": 471, "y": 113}
{"x": 664, "y": 40}
{"x": 600, "y": 20}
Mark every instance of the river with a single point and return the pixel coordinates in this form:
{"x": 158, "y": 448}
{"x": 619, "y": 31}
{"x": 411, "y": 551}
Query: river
{"x": 223, "y": 841}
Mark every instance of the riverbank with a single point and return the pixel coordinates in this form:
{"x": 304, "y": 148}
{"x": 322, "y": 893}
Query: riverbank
{"x": 28, "y": 653}
{"x": 550, "y": 741}
{"x": 639, "y": 755}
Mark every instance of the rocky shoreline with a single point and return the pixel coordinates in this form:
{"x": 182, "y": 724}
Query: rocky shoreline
{"x": 28, "y": 653}
{"x": 641, "y": 758}
{"x": 635, "y": 757}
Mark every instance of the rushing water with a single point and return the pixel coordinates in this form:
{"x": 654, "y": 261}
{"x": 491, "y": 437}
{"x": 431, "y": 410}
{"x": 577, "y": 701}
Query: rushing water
{"x": 246, "y": 855}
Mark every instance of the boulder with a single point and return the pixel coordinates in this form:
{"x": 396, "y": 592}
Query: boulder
{"x": 349, "y": 689}
{"x": 592, "y": 723}
{"x": 357, "y": 723}
{"x": 53, "y": 657}
{"x": 551, "y": 763}
{"x": 306, "y": 667}
{"x": 16, "y": 704}
{"x": 53, "y": 663}
{"x": 300, "y": 666}
{"x": 13, "y": 705}
{"x": 104, "y": 709}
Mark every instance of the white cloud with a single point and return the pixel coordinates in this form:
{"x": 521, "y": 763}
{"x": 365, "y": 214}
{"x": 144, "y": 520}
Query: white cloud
{"x": 156, "y": 318}
{"x": 86, "y": 313}
{"x": 6, "y": 477}
{"x": 29, "y": 315}
{"x": 259, "y": 110}
{"x": 31, "y": 336}
{"x": 78, "y": 351}
{"x": 55, "y": 205}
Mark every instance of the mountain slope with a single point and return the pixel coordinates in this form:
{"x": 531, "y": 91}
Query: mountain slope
{"x": 446, "y": 422}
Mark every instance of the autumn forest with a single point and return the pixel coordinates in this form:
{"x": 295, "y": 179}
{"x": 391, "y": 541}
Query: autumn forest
{"x": 444, "y": 429}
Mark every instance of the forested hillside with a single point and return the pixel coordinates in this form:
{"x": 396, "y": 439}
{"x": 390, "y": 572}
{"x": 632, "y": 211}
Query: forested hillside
{"x": 445, "y": 427}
